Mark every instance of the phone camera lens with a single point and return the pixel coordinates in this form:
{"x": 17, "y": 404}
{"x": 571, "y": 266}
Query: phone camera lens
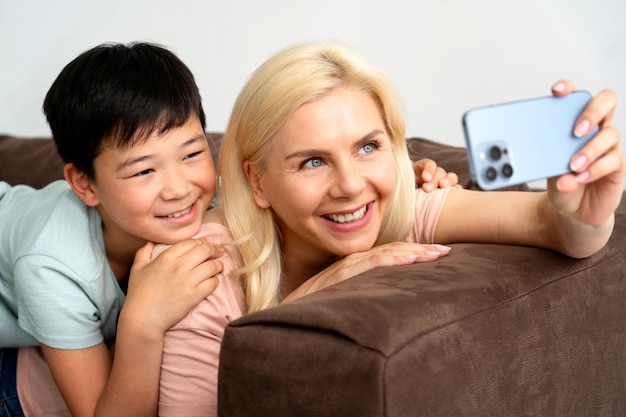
{"x": 491, "y": 173}
{"x": 495, "y": 153}
{"x": 507, "y": 170}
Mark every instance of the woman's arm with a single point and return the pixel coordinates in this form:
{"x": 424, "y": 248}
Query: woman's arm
{"x": 390, "y": 254}
{"x": 574, "y": 216}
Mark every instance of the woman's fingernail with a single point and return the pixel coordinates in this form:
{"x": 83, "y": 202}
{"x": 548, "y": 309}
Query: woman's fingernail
{"x": 558, "y": 87}
{"x": 442, "y": 247}
{"x": 432, "y": 253}
{"x": 578, "y": 162}
{"x": 582, "y": 177}
{"x": 581, "y": 128}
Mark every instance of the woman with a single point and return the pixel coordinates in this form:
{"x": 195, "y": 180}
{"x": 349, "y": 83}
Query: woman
{"x": 317, "y": 186}
{"x": 315, "y": 169}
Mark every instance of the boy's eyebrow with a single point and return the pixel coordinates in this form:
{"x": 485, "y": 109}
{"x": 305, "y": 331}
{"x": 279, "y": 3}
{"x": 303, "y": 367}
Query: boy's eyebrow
{"x": 313, "y": 152}
{"x": 133, "y": 160}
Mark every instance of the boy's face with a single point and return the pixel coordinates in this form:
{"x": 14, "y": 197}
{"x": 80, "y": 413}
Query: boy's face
{"x": 157, "y": 190}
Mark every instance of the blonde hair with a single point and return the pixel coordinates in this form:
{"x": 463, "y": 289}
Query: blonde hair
{"x": 287, "y": 80}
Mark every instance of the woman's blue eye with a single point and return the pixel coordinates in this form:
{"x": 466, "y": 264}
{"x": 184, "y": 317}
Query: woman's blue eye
{"x": 313, "y": 163}
{"x": 369, "y": 148}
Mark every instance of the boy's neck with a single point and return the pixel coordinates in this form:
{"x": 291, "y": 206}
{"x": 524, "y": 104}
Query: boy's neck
{"x": 120, "y": 251}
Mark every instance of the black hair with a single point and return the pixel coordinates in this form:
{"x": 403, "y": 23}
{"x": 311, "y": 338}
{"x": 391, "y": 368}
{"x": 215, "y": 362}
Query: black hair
{"x": 118, "y": 94}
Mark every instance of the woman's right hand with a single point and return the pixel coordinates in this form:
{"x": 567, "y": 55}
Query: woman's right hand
{"x": 390, "y": 254}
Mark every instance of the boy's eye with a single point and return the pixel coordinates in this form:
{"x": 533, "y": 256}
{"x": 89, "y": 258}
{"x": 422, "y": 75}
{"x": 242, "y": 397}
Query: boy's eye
{"x": 312, "y": 163}
{"x": 193, "y": 155}
{"x": 143, "y": 173}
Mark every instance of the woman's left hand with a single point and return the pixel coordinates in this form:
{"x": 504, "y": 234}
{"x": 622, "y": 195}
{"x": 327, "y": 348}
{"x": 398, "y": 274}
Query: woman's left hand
{"x": 429, "y": 176}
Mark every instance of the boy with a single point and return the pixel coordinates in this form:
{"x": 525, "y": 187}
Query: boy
{"x": 129, "y": 125}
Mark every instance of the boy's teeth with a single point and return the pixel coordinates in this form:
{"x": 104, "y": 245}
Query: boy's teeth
{"x": 179, "y": 213}
{"x": 345, "y": 218}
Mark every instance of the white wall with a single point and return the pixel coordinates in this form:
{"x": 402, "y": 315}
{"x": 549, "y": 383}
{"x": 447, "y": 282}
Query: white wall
{"x": 444, "y": 55}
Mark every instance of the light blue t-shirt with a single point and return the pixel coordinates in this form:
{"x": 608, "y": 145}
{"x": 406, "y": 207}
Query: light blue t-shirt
{"x": 56, "y": 285}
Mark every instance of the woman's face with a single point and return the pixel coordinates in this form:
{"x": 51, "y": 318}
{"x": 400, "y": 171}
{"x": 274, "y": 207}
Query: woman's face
{"x": 330, "y": 176}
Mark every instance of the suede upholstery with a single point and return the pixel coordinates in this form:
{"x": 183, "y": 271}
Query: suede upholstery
{"x": 488, "y": 330}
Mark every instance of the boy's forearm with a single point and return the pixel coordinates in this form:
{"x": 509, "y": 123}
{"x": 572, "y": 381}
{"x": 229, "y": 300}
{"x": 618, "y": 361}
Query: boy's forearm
{"x": 133, "y": 385}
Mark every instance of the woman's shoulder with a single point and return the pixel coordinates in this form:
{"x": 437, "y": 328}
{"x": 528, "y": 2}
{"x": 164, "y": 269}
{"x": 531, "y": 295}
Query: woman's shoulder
{"x": 213, "y": 216}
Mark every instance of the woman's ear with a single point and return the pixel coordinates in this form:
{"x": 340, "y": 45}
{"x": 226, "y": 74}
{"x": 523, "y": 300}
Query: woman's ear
{"x": 81, "y": 184}
{"x": 255, "y": 184}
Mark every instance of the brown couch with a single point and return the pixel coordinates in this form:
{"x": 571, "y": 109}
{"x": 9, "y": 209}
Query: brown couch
{"x": 487, "y": 331}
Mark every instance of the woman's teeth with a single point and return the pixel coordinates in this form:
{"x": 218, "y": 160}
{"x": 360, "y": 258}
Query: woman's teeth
{"x": 345, "y": 218}
{"x": 179, "y": 213}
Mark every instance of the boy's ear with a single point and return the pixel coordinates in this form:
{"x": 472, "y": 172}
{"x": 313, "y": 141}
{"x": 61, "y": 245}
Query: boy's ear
{"x": 255, "y": 184}
{"x": 81, "y": 184}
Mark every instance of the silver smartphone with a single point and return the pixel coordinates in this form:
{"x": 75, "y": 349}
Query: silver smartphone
{"x": 523, "y": 141}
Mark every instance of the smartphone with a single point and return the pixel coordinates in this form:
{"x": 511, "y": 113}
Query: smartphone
{"x": 523, "y": 141}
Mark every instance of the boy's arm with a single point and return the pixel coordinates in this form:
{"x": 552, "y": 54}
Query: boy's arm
{"x": 80, "y": 375}
{"x": 160, "y": 293}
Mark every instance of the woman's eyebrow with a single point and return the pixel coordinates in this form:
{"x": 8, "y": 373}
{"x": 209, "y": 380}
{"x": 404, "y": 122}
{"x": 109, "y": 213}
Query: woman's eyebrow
{"x": 365, "y": 139}
{"x": 316, "y": 152}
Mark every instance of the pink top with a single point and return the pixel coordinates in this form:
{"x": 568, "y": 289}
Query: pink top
{"x": 428, "y": 207}
{"x": 191, "y": 348}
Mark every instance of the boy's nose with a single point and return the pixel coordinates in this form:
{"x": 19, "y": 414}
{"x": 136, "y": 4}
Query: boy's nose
{"x": 175, "y": 185}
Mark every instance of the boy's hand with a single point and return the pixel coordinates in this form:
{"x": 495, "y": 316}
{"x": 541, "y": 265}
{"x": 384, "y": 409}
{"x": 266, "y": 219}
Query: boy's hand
{"x": 161, "y": 292}
{"x": 429, "y": 176}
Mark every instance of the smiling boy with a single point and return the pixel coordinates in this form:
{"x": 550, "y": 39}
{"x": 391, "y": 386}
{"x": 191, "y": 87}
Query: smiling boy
{"x": 128, "y": 122}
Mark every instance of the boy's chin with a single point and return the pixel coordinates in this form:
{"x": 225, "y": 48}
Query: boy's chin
{"x": 173, "y": 238}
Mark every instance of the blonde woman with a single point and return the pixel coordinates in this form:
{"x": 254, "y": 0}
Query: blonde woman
{"x": 317, "y": 186}
{"x": 309, "y": 137}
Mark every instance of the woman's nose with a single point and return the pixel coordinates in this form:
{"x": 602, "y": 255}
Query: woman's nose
{"x": 348, "y": 182}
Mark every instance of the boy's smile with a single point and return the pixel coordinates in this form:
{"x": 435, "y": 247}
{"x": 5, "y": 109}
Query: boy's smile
{"x": 156, "y": 189}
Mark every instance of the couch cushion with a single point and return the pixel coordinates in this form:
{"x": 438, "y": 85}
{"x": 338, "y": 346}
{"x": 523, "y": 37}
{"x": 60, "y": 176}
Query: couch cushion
{"x": 33, "y": 161}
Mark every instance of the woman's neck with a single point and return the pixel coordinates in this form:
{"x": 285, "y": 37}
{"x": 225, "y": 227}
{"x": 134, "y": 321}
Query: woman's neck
{"x": 297, "y": 270}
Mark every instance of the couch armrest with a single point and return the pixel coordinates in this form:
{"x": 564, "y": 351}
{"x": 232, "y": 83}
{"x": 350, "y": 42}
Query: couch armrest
{"x": 487, "y": 330}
